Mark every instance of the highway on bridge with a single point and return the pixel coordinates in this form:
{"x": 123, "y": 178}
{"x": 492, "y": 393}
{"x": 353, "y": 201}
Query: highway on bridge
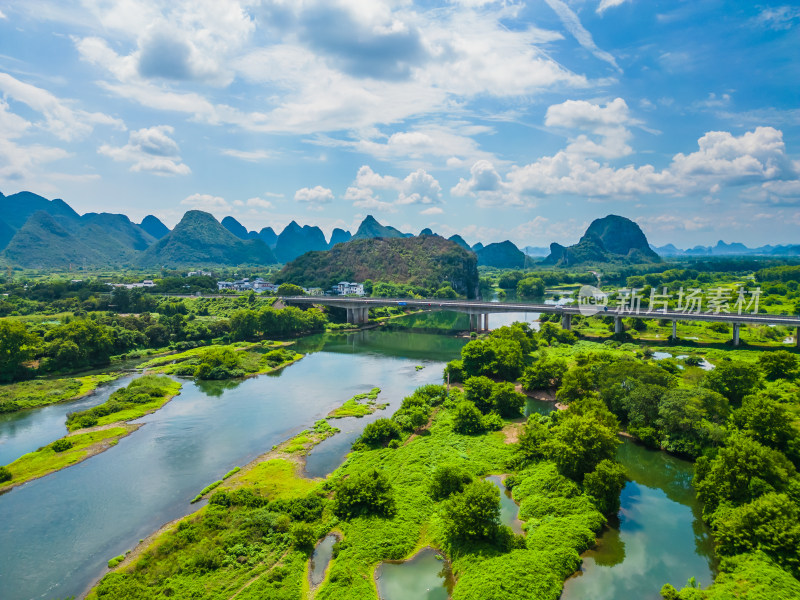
{"x": 358, "y": 310}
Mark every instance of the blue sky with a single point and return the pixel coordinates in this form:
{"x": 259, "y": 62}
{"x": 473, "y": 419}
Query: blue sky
{"x": 492, "y": 119}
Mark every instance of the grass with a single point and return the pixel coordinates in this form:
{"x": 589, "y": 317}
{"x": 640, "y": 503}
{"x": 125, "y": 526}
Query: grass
{"x": 46, "y": 460}
{"x": 354, "y": 407}
{"x": 43, "y": 392}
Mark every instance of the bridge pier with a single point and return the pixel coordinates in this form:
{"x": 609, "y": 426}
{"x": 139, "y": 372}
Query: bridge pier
{"x": 566, "y": 322}
{"x": 473, "y": 322}
{"x": 797, "y": 337}
{"x": 674, "y": 330}
{"x": 618, "y": 325}
{"x": 736, "y": 334}
{"x": 358, "y": 315}
{"x": 486, "y": 321}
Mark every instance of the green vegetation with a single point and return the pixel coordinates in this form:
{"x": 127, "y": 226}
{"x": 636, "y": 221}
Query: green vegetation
{"x": 355, "y": 408}
{"x": 426, "y": 261}
{"x": 42, "y": 392}
{"x": 60, "y": 454}
{"x": 225, "y": 362}
{"x": 144, "y": 395}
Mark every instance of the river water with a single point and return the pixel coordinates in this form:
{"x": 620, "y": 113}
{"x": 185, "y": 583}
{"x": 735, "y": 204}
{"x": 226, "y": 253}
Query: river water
{"x": 58, "y": 532}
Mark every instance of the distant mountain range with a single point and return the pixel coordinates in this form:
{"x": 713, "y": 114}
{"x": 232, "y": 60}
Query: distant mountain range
{"x": 39, "y": 233}
{"x": 733, "y": 249}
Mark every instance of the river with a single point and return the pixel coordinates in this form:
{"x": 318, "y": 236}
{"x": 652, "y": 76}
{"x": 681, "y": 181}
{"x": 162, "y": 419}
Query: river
{"x": 59, "y": 531}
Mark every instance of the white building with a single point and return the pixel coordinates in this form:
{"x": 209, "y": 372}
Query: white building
{"x": 345, "y": 288}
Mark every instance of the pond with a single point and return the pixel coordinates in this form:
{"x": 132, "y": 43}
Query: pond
{"x": 509, "y": 510}
{"x": 59, "y": 531}
{"x": 657, "y": 538}
{"x": 426, "y": 576}
{"x": 321, "y": 558}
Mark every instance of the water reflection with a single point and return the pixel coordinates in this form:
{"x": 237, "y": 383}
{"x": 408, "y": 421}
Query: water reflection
{"x": 509, "y": 510}
{"x": 320, "y": 559}
{"x": 424, "y": 577}
{"x": 659, "y": 538}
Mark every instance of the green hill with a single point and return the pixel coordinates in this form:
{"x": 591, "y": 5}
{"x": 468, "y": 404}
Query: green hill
{"x": 44, "y": 243}
{"x": 428, "y": 261}
{"x": 460, "y": 241}
{"x": 370, "y": 228}
{"x": 295, "y": 240}
{"x": 17, "y": 208}
{"x": 339, "y": 236}
{"x": 114, "y": 236}
{"x": 6, "y": 233}
{"x": 504, "y": 255}
{"x": 238, "y": 229}
{"x": 612, "y": 239}
{"x": 154, "y": 227}
{"x": 200, "y": 240}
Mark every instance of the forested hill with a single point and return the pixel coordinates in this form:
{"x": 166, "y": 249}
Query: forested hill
{"x": 429, "y": 261}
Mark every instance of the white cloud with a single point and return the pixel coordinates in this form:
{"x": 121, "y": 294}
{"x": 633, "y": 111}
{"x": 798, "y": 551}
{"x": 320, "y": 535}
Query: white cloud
{"x": 2, "y": 16}
{"x": 259, "y": 203}
{"x": 433, "y": 210}
{"x": 418, "y": 187}
{"x": 316, "y": 195}
{"x": 579, "y": 32}
{"x": 249, "y": 155}
{"x": 150, "y": 149}
{"x": 608, "y": 124}
{"x": 779, "y": 18}
{"x": 60, "y": 119}
{"x": 207, "y": 203}
{"x": 487, "y": 186}
{"x": 328, "y": 66}
{"x": 606, "y": 4}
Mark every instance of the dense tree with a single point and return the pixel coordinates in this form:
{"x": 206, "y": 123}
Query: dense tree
{"x": 467, "y": 419}
{"x": 473, "y": 514}
{"x": 770, "y": 524}
{"x": 448, "y": 479}
{"x": 507, "y": 401}
{"x": 16, "y": 347}
{"x": 478, "y": 390}
{"x": 380, "y": 432}
{"x": 478, "y": 358}
{"x": 530, "y": 287}
{"x": 579, "y": 443}
{"x": 692, "y": 419}
{"x": 734, "y": 380}
{"x": 361, "y": 493}
{"x": 779, "y": 365}
{"x": 770, "y": 423}
{"x": 604, "y": 484}
{"x": 290, "y": 289}
{"x": 545, "y": 373}
{"x": 578, "y": 383}
{"x": 741, "y": 471}
{"x": 533, "y": 438}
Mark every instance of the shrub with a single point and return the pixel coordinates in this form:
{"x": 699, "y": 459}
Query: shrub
{"x": 467, "y": 419}
{"x": 478, "y": 390}
{"x": 448, "y": 479}
{"x": 380, "y": 432}
{"x": 5, "y": 474}
{"x": 455, "y": 369}
{"x": 61, "y": 445}
{"x": 507, "y": 401}
{"x": 365, "y": 492}
{"x": 604, "y": 484}
{"x": 302, "y": 536}
{"x": 492, "y": 422}
{"x": 474, "y": 513}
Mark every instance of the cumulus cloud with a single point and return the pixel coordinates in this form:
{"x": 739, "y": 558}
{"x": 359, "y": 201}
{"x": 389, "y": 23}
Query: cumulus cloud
{"x": 608, "y": 124}
{"x": 433, "y": 210}
{"x": 59, "y": 117}
{"x": 315, "y": 196}
{"x": 487, "y": 186}
{"x": 206, "y": 202}
{"x": 150, "y": 149}
{"x": 418, "y": 187}
{"x": 329, "y": 66}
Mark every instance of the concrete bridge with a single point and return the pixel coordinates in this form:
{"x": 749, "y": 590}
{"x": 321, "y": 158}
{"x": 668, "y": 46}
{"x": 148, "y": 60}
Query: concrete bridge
{"x": 358, "y": 312}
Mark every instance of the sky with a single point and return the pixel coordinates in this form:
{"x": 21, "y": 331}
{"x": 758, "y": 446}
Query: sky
{"x": 492, "y": 119}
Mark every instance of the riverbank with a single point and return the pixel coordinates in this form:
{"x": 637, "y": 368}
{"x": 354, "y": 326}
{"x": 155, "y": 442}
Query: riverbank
{"x": 84, "y": 442}
{"x": 36, "y": 393}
